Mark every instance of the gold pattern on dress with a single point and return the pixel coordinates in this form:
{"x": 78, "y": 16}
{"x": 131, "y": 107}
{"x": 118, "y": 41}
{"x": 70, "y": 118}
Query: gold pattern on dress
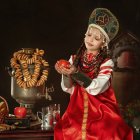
{"x": 86, "y": 110}
{"x": 85, "y": 102}
{"x": 85, "y": 97}
{"x": 84, "y": 120}
{"x": 83, "y": 135}
{"x": 85, "y": 115}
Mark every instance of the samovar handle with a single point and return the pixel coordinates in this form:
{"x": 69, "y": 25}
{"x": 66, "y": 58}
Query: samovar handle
{"x": 10, "y": 71}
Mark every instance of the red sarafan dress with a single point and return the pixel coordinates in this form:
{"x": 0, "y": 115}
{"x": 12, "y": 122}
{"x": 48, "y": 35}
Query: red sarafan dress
{"x": 92, "y": 113}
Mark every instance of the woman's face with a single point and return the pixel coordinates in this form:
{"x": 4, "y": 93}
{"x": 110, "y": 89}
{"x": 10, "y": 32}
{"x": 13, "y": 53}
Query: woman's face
{"x": 93, "y": 39}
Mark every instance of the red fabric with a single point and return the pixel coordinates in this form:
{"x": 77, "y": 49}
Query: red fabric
{"x": 103, "y": 123}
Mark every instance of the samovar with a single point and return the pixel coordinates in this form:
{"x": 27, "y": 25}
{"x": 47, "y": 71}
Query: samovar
{"x": 26, "y": 90}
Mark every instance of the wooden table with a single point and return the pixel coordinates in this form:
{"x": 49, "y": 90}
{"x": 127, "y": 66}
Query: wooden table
{"x": 36, "y": 134}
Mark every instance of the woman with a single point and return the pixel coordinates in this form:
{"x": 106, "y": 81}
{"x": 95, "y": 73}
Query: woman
{"x": 92, "y": 113}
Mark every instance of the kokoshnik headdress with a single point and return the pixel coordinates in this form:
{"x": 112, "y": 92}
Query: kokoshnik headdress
{"x": 105, "y": 21}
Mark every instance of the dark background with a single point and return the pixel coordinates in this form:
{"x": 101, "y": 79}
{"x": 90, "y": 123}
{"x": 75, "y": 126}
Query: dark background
{"x": 56, "y": 26}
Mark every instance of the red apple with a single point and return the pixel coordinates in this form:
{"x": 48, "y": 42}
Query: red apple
{"x": 64, "y": 63}
{"x": 20, "y": 112}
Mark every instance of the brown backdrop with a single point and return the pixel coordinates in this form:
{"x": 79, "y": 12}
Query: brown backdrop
{"x": 58, "y": 27}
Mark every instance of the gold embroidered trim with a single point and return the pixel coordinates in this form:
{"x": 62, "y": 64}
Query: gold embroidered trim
{"x": 85, "y": 116}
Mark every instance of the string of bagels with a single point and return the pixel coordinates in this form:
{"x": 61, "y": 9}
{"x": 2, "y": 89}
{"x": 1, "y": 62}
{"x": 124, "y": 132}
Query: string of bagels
{"x": 22, "y": 61}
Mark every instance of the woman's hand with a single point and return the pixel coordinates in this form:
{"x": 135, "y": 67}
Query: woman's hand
{"x": 65, "y": 70}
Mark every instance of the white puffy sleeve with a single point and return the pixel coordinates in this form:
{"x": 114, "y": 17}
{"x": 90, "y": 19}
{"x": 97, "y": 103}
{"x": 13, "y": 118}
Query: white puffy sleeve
{"x": 98, "y": 84}
{"x": 102, "y": 82}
